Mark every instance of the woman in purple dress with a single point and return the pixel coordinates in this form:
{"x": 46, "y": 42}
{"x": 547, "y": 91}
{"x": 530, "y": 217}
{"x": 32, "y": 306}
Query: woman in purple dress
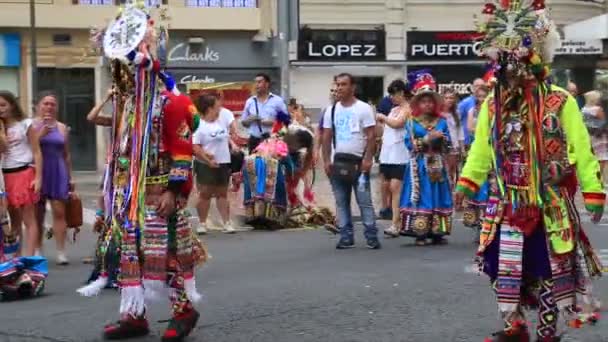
{"x": 56, "y": 167}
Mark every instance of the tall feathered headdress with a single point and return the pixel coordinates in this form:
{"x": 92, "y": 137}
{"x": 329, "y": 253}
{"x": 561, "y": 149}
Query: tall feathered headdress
{"x": 518, "y": 34}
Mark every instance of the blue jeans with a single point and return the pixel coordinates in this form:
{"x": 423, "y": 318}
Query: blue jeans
{"x": 342, "y": 193}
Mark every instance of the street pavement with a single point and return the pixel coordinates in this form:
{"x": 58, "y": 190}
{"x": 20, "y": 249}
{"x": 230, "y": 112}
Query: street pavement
{"x": 294, "y": 285}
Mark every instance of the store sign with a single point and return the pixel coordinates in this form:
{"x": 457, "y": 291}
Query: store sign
{"x": 10, "y": 50}
{"x": 193, "y": 79}
{"x": 343, "y": 49}
{"x": 218, "y": 50}
{"x": 349, "y": 51}
{"x": 200, "y": 53}
{"x": 425, "y": 45}
{"x": 580, "y": 47}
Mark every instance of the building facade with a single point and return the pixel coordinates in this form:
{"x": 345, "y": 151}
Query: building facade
{"x": 203, "y": 36}
{"x": 433, "y": 34}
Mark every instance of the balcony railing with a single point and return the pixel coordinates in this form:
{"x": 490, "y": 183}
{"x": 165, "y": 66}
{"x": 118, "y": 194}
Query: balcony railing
{"x": 148, "y": 3}
{"x": 222, "y": 3}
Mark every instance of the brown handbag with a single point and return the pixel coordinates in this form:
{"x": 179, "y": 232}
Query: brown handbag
{"x": 73, "y": 211}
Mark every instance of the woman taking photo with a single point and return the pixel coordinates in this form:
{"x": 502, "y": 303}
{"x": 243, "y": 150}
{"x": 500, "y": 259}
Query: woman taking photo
{"x": 21, "y": 166}
{"x": 211, "y": 145}
{"x": 394, "y": 155}
{"x": 56, "y": 166}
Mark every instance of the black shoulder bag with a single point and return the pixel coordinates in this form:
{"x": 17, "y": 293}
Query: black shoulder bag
{"x": 257, "y": 112}
{"x": 346, "y": 166}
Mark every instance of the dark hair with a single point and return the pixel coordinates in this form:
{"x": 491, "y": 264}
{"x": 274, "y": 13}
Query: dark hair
{"x": 350, "y": 77}
{"x": 12, "y": 100}
{"x": 264, "y": 76}
{"x": 398, "y": 86}
{"x": 293, "y": 102}
{"x": 46, "y": 93}
{"x": 205, "y": 102}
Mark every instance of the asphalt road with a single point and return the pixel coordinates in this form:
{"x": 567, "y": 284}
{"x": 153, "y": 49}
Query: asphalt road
{"x": 294, "y": 286}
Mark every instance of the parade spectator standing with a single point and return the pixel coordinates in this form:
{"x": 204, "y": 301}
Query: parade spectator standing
{"x": 56, "y": 167}
{"x": 572, "y": 88}
{"x": 319, "y": 133}
{"x": 464, "y": 107}
{"x": 22, "y": 167}
{"x": 384, "y": 108}
{"x": 349, "y": 126}
{"x": 394, "y": 155}
{"x": 456, "y": 133}
{"x": 595, "y": 120}
{"x": 261, "y": 111}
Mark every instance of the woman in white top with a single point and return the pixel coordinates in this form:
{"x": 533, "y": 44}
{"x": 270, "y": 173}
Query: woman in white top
{"x": 595, "y": 118}
{"x": 394, "y": 155}
{"x": 211, "y": 145}
{"x": 22, "y": 169}
{"x": 450, "y": 101}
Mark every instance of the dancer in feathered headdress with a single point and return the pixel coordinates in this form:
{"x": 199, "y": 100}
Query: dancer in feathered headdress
{"x": 148, "y": 181}
{"x": 532, "y": 246}
{"x": 426, "y": 201}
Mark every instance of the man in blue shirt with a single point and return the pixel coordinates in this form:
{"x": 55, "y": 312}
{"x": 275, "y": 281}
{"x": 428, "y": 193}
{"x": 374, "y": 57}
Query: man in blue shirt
{"x": 261, "y": 111}
{"x": 465, "y": 106}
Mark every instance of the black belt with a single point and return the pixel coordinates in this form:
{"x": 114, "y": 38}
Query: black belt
{"x": 16, "y": 169}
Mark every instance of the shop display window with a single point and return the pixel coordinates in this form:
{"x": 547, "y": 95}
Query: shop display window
{"x": 234, "y": 94}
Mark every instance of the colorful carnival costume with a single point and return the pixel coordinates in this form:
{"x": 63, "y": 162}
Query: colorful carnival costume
{"x": 426, "y": 198}
{"x": 151, "y": 169}
{"x": 532, "y": 246}
{"x": 271, "y": 176}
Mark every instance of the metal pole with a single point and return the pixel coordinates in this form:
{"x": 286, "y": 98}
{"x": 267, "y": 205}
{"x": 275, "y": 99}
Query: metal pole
{"x": 283, "y": 28}
{"x": 33, "y": 52}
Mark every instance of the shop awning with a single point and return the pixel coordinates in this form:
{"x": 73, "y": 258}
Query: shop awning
{"x": 593, "y": 28}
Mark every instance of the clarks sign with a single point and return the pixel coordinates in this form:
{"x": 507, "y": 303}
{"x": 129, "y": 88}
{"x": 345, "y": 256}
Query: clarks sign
{"x": 442, "y": 45}
{"x": 201, "y": 53}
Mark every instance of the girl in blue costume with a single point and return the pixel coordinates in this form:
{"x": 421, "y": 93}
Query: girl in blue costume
{"x": 475, "y": 207}
{"x": 426, "y": 198}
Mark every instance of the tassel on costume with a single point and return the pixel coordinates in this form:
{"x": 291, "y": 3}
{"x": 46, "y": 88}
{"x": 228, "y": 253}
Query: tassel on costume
{"x": 132, "y": 300}
{"x": 95, "y": 287}
{"x": 191, "y": 292}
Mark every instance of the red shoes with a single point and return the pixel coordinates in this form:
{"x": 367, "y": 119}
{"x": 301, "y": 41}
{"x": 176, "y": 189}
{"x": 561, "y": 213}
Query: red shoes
{"x": 180, "y": 326}
{"x": 128, "y": 327}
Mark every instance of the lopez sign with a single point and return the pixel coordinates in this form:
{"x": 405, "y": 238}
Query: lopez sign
{"x": 343, "y": 48}
{"x": 442, "y": 45}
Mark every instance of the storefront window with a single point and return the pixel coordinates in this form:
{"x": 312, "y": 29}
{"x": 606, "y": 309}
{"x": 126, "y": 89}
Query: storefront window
{"x": 234, "y": 94}
{"x": 9, "y": 80}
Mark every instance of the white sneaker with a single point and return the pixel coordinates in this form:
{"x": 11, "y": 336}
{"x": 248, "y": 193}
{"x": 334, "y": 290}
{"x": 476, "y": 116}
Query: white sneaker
{"x": 62, "y": 259}
{"x": 202, "y": 228}
{"x": 228, "y": 228}
{"x": 391, "y": 231}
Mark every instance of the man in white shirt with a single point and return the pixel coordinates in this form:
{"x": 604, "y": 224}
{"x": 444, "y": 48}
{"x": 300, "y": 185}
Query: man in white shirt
{"x": 349, "y": 126}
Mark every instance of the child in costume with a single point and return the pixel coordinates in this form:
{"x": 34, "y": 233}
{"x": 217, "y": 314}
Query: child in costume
{"x": 426, "y": 200}
{"x": 149, "y": 182}
{"x": 532, "y": 245}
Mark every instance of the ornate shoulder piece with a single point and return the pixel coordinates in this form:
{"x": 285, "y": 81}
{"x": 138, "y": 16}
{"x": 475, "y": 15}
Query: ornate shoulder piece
{"x": 555, "y": 100}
